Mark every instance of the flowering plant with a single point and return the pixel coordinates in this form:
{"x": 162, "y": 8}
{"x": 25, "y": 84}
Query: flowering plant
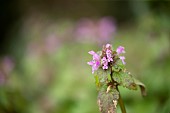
{"x": 108, "y": 67}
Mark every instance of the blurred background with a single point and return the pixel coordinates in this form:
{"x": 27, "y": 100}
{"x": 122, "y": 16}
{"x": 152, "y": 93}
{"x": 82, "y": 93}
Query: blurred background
{"x": 44, "y": 53}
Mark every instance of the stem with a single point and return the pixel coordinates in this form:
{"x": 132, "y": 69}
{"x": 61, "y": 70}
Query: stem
{"x": 111, "y": 74}
{"x": 122, "y": 106}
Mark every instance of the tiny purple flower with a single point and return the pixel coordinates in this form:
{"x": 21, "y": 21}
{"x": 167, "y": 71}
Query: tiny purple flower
{"x": 105, "y": 67}
{"x": 95, "y": 56}
{"x": 122, "y": 58}
{"x": 109, "y": 55}
{"x": 91, "y": 52}
{"x": 108, "y": 45}
{"x": 120, "y": 50}
{"x": 105, "y": 63}
{"x": 95, "y": 63}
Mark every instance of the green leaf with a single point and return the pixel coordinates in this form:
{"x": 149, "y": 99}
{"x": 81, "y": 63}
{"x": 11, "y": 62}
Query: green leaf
{"x": 97, "y": 81}
{"x": 118, "y": 66}
{"x": 131, "y": 83}
{"x": 109, "y": 77}
{"x": 101, "y": 77}
{"x": 117, "y": 77}
{"x": 142, "y": 87}
{"x": 128, "y": 81}
{"x": 125, "y": 79}
{"x": 107, "y": 99}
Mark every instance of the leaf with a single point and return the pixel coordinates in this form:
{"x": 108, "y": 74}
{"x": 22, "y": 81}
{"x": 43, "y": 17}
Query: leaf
{"x": 118, "y": 66}
{"x": 109, "y": 77}
{"x": 101, "y": 77}
{"x": 107, "y": 99}
{"x": 97, "y": 81}
{"x": 125, "y": 79}
{"x": 102, "y": 74}
{"x": 142, "y": 87}
{"x": 117, "y": 77}
{"x": 128, "y": 81}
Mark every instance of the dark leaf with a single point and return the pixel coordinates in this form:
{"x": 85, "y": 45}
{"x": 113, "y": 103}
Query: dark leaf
{"x": 142, "y": 87}
{"x": 101, "y": 77}
{"x": 128, "y": 81}
{"x": 118, "y": 66}
{"x": 117, "y": 76}
{"x": 124, "y": 79}
{"x": 107, "y": 99}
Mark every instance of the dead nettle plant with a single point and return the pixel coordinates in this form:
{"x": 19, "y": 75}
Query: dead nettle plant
{"x": 108, "y": 68}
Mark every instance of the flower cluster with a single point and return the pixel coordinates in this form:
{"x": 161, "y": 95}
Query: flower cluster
{"x": 107, "y": 58}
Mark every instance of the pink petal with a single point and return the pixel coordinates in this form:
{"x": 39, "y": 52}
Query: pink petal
{"x": 91, "y": 52}
{"x": 122, "y": 58}
{"x": 90, "y": 63}
{"x": 96, "y": 57}
{"x": 108, "y": 45}
{"x": 120, "y": 50}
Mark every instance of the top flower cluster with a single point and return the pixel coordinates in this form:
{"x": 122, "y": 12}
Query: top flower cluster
{"x": 107, "y": 58}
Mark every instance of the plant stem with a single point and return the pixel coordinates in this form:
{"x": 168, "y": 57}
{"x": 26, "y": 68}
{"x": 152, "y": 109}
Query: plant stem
{"x": 122, "y": 106}
{"x": 120, "y": 101}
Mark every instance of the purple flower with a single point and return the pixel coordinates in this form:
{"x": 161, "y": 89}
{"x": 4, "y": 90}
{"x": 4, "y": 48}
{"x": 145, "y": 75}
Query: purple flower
{"x": 122, "y": 58}
{"x": 95, "y": 63}
{"x": 120, "y": 50}
{"x": 105, "y": 67}
{"x": 105, "y": 63}
{"x": 108, "y": 45}
{"x": 95, "y": 55}
{"x": 109, "y": 55}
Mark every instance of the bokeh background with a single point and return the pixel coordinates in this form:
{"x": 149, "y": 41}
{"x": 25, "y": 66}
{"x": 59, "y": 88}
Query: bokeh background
{"x": 44, "y": 53}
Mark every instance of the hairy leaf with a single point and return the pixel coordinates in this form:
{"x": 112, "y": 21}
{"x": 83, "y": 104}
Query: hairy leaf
{"x": 125, "y": 79}
{"x": 117, "y": 77}
{"x": 118, "y": 66}
{"x": 107, "y": 99}
{"x": 101, "y": 77}
{"x": 128, "y": 81}
{"x": 142, "y": 87}
{"x": 97, "y": 81}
